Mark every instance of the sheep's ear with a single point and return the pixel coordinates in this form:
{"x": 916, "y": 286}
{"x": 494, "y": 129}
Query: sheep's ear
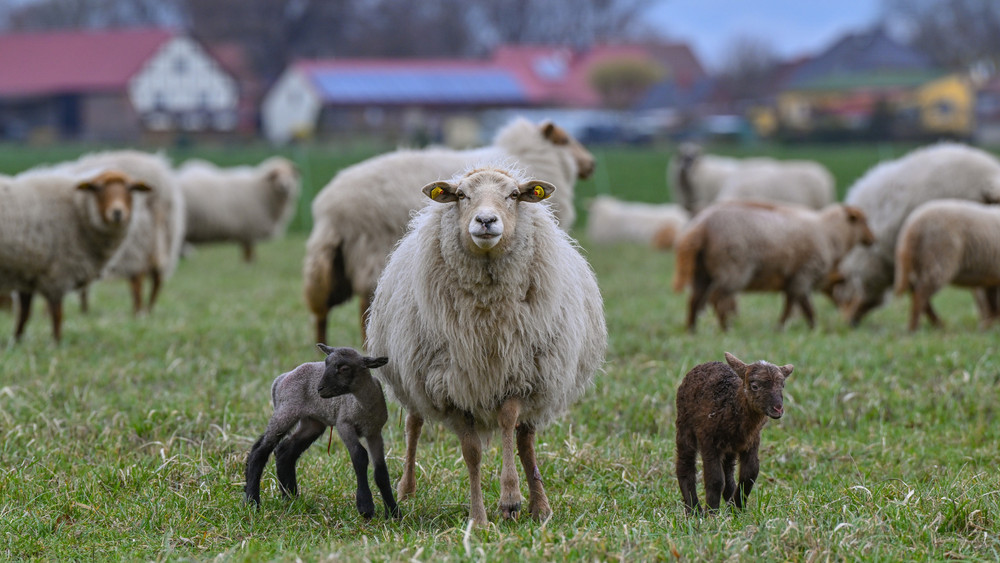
{"x": 535, "y": 190}
{"x": 324, "y": 348}
{"x": 854, "y": 214}
{"x": 139, "y": 187}
{"x": 372, "y": 363}
{"x": 555, "y": 134}
{"x": 441, "y": 192}
{"x": 735, "y": 363}
{"x": 786, "y": 370}
{"x": 87, "y": 186}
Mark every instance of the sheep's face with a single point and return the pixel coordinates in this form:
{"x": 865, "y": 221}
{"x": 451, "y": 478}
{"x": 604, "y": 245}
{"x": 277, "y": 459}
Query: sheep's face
{"x": 859, "y": 284}
{"x": 112, "y": 192}
{"x": 688, "y": 154}
{"x": 763, "y": 383}
{"x": 345, "y": 370}
{"x": 487, "y": 201}
{"x": 283, "y": 177}
{"x": 582, "y": 158}
{"x": 858, "y": 223}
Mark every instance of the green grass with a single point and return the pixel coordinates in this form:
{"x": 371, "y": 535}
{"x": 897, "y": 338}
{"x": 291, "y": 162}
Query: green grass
{"x": 128, "y": 441}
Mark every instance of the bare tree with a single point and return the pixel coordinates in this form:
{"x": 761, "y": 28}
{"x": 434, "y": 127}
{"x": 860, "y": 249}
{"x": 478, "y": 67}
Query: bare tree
{"x": 956, "y": 33}
{"x": 46, "y": 15}
{"x": 748, "y": 67}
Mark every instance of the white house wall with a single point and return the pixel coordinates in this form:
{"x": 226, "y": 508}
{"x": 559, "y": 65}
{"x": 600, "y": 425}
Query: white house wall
{"x": 181, "y": 86}
{"x": 291, "y": 108}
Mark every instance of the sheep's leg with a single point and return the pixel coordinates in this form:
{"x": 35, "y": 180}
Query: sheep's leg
{"x": 721, "y": 301}
{"x": 359, "y": 459}
{"x": 932, "y": 315}
{"x": 807, "y": 309}
{"x": 786, "y": 310}
{"x": 510, "y": 486}
{"x": 56, "y": 313}
{"x": 135, "y": 282}
{"x": 408, "y": 482}
{"x": 714, "y": 479}
{"x": 84, "y": 301}
{"x": 920, "y": 303}
{"x": 472, "y": 452}
{"x": 538, "y": 503}
{"x": 749, "y": 468}
{"x": 687, "y": 451}
{"x": 248, "y": 255}
{"x": 23, "y": 312}
{"x": 290, "y": 449}
{"x": 157, "y": 279}
{"x": 699, "y": 296}
{"x": 728, "y": 469}
{"x": 376, "y": 447}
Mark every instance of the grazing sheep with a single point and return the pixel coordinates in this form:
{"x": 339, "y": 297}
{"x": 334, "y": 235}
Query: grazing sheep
{"x": 352, "y": 235}
{"x": 887, "y": 194}
{"x": 243, "y": 204}
{"x": 341, "y": 393}
{"x": 491, "y": 319}
{"x": 740, "y": 246}
{"x": 697, "y": 178}
{"x": 947, "y": 241}
{"x": 721, "y": 410}
{"x": 57, "y": 232}
{"x": 798, "y": 182}
{"x": 611, "y": 220}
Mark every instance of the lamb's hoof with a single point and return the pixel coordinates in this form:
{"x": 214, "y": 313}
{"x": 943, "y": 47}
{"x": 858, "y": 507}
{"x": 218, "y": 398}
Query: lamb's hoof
{"x": 510, "y": 510}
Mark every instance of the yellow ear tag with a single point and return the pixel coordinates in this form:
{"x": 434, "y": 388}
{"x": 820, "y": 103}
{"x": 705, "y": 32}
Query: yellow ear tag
{"x": 436, "y": 192}
{"x": 539, "y": 192}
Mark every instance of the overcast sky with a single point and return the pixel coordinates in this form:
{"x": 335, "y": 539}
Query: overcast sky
{"x": 793, "y": 27}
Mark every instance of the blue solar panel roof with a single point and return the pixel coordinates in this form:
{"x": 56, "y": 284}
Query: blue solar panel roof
{"x": 400, "y": 86}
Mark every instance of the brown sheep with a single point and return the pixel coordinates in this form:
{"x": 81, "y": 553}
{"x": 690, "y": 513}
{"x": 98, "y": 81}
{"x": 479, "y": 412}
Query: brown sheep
{"x": 721, "y": 410}
{"x": 751, "y": 246}
{"x": 949, "y": 241}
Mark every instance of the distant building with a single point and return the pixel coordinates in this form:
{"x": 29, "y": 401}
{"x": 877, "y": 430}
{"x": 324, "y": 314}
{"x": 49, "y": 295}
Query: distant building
{"x": 111, "y": 85}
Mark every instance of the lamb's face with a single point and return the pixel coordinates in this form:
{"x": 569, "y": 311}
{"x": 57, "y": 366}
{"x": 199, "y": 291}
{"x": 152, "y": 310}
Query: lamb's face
{"x": 763, "y": 383}
{"x": 487, "y": 201}
{"x": 112, "y": 192}
{"x": 858, "y": 223}
{"x": 345, "y": 370}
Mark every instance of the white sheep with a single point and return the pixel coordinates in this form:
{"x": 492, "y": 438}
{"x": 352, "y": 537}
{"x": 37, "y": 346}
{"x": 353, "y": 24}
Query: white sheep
{"x": 947, "y": 241}
{"x": 153, "y": 245}
{"x": 491, "y": 318}
{"x": 610, "y": 220}
{"x": 365, "y": 208}
{"x": 58, "y": 230}
{"x": 696, "y": 178}
{"x": 887, "y": 193}
{"x": 736, "y": 246}
{"x": 241, "y": 204}
{"x": 798, "y": 182}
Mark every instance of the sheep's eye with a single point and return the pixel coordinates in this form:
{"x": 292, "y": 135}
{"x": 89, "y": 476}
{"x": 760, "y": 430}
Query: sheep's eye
{"x": 460, "y": 194}
{"x": 343, "y": 369}
{"x": 514, "y": 194}
{"x": 754, "y": 386}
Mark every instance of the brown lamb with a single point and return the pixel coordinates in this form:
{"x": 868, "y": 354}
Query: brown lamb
{"x": 721, "y": 410}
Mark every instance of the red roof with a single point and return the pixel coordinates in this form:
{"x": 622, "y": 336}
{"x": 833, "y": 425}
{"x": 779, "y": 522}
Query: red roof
{"x": 75, "y": 61}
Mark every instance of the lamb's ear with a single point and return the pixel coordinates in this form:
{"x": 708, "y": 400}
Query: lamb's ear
{"x": 324, "y": 348}
{"x": 139, "y": 187}
{"x": 555, "y": 134}
{"x": 735, "y": 363}
{"x": 372, "y": 363}
{"x": 786, "y": 370}
{"x": 535, "y": 190}
{"x": 441, "y": 192}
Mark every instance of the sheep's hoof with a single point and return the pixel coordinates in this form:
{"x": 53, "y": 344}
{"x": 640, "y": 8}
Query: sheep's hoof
{"x": 540, "y": 510}
{"x": 510, "y": 510}
{"x": 405, "y": 489}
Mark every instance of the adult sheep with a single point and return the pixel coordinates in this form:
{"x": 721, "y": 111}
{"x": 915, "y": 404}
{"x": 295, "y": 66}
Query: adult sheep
{"x": 491, "y": 319}
{"x": 696, "y": 178}
{"x": 241, "y": 204}
{"x": 610, "y": 220}
{"x": 365, "y": 208}
{"x": 797, "y": 182}
{"x": 887, "y": 194}
{"x": 57, "y": 232}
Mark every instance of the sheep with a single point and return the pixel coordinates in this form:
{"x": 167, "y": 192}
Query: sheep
{"x": 736, "y": 246}
{"x": 697, "y": 178}
{"x": 57, "y": 232}
{"x": 947, "y": 241}
{"x": 152, "y": 247}
{"x": 611, "y": 220}
{"x": 338, "y": 392}
{"x": 887, "y": 193}
{"x": 491, "y": 318}
{"x": 800, "y": 182}
{"x": 243, "y": 204}
{"x": 352, "y": 236}
{"x": 721, "y": 409}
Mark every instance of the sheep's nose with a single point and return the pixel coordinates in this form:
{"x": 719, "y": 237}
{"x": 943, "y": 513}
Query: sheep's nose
{"x": 486, "y": 220}
{"x": 117, "y": 215}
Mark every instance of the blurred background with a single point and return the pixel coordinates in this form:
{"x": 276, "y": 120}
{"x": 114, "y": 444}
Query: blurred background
{"x": 176, "y": 73}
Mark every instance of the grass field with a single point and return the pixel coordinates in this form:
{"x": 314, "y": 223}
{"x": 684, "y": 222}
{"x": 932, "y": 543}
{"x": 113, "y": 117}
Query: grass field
{"x": 128, "y": 440}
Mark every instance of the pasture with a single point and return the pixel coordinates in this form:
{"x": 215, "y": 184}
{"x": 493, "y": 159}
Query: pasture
{"x": 128, "y": 441}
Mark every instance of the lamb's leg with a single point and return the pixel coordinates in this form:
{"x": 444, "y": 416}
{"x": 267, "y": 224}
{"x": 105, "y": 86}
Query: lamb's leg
{"x": 135, "y": 283}
{"x": 23, "y": 312}
{"x": 749, "y": 468}
{"x": 290, "y": 449}
{"x": 56, "y": 313}
{"x": 699, "y": 296}
{"x": 510, "y": 486}
{"x": 714, "y": 479}
{"x": 408, "y": 482}
{"x": 248, "y": 255}
{"x": 728, "y": 469}
{"x": 687, "y": 451}
{"x": 472, "y": 452}
{"x": 359, "y": 459}
{"x": 156, "y": 277}
{"x": 538, "y": 503}
{"x": 321, "y": 328}
{"x": 376, "y": 448}
{"x": 256, "y": 461}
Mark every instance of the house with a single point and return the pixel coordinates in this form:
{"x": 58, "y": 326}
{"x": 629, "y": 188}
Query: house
{"x": 111, "y": 85}
{"x": 868, "y": 81}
